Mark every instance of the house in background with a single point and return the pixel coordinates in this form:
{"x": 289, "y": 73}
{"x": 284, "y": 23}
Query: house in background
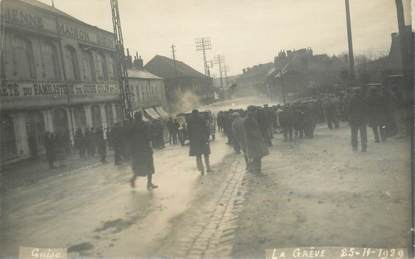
{"x": 147, "y": 90}
{"x": 186, "y": 88}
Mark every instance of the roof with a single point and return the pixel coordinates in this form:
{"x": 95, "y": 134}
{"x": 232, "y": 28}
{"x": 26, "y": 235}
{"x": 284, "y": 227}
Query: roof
{"x": 46, "y": 7}
{"x": 164, "y": 67}
{"x": 135, "y": 73}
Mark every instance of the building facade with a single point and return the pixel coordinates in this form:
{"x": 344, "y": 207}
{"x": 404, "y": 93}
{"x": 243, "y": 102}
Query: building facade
{"x": 147, "y": 90}
{"x": 58, "y": 75}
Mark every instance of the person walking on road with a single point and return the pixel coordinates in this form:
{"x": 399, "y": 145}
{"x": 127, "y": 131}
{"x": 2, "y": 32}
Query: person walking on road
{"x": 173, "y": 130}
{"x": 50, "y": 149}
{"x": 101, "y": 145}
{"x": 239, "y": 134}
{"x": 357, "y": 112}
{"x": 254, "y": 141}
{"x": 199, "y": 140}
{"x": 141, "y": 152}
{"x": 376, "y": 112}
{"x": 79, "y": 140}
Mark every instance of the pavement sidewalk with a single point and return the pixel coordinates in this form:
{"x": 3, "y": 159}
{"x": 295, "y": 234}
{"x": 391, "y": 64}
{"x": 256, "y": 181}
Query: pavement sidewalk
{"x": 30, "y": 171}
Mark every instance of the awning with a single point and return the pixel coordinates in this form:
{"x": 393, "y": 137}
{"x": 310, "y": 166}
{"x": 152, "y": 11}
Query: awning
{"x": 152, "y": 113}
{"x": 162, "y": 112}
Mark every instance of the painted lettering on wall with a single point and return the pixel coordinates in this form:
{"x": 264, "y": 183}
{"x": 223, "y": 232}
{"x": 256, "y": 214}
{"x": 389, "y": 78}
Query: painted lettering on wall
{"x": 19, "y": 17}
{"x": 73, "y": 32}
{"x": 15, "y": 89}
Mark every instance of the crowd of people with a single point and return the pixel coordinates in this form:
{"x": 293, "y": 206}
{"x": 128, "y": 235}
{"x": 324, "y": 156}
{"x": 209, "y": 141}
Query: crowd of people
{"x": 249, "y": 132}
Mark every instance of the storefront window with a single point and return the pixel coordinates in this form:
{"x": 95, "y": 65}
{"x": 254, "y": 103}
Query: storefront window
{"x": 80, "y": 117}
{"x": 8, "y": 147}
{"x": 119, "y": 112}
{"x": 109, "y": 114}
{"x": 35, "y": 127}
{"x": 96, "y": 116}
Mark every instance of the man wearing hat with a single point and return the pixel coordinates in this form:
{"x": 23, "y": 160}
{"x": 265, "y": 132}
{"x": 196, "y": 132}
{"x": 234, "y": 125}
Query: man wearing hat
{"x": 141, "y": 151}
{"x": 198, "y": 131}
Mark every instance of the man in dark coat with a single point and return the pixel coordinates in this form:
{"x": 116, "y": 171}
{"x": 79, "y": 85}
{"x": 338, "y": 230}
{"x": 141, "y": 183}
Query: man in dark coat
{"x": 376, "y": 112}
{"x": 79, "y": 140}
{"x": 50, "y": 144}
{"x": 263, "y": 123}
{"x": 357, "y": 113}
{"x": 286, "y": 122}
{"x": 141, "y": 151}
{"x": 239, "y": 134}
{"x": 254, "y": 141}
{"x": 116, "y": 142}
{"x": 199, "y": 140}
{"x": 90, "y": 142}
{"x": 173, "y": 130}
{"x": 101, "y": 145}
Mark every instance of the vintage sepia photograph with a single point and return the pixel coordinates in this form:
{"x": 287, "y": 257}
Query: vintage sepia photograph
{"x": 207, "y": 129}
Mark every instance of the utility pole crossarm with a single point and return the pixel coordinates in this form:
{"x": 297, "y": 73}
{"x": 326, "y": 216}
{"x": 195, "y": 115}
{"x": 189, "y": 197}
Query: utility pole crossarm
{"x": 204, "y": 44}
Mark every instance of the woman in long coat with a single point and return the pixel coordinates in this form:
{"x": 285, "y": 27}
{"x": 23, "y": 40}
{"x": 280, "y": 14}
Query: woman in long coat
{"x": 141, "y": 151}
{"x": 199, "y": 140}
{"x": 255, "y": 145}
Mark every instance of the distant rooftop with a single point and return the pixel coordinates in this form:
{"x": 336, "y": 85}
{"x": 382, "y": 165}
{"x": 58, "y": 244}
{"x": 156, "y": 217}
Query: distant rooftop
{"x": 166, "y": 68}
{"x": 144, "y": 74}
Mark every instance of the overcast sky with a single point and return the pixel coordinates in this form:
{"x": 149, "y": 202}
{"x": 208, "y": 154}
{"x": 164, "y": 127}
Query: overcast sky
{"x": 246, "y": 32}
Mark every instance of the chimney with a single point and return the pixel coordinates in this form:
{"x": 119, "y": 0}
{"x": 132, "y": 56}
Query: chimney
{"x": 138, "y": 62}
{"x": 129, "y": 60}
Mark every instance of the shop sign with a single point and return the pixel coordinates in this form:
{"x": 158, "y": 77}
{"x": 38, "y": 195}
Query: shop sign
{"x": 53, "y": 89}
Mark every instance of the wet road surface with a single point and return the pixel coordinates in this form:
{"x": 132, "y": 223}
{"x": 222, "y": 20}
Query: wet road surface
{"x": 93, "y": 211}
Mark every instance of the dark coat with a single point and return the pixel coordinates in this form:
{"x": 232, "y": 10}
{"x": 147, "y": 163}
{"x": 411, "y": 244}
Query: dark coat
{"x": 198, "y": 131}
{"x": 255, "y": 145}
{"x": 141, "y": 151}
{"x": 239, "y": 133}
{"x": 376, "y": 111}
{"x": 357, "y": 111}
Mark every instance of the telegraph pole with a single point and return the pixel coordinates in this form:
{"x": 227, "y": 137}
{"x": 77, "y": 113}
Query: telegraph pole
{"x": 225, "y": 71}
{"x": 203, "y": 44}
{"x": 220, "y": 60}
{"x": 121, "y": 62}
{"x": 350, "y": 44}
{"x": 2, "y": 44}
{"x": 173, "y": 51}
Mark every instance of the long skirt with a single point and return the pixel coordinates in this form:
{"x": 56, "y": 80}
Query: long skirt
{"x": 142, "y": 163}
